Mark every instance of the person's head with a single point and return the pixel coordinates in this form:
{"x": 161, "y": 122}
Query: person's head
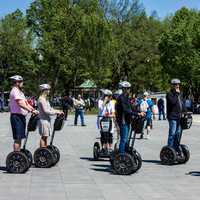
{"x": 175, "y": 84}
{"x": 45, "y": 89}
{"x": 125, "y": 86}
{"x": 108, "y": 94}
{"x": 17, "y": 81}
{"x": 79, "y": 97}
{"x": 145, "y": 95}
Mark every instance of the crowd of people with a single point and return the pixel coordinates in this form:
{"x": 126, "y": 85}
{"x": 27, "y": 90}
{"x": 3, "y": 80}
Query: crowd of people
{"x": 118, "y": 106}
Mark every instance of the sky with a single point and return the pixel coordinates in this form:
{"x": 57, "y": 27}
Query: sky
{"x": 163, "y": 7}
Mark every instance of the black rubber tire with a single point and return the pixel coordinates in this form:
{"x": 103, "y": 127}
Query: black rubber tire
{"x": 124, "y": 164}
{"x": 29, "y": 156}
{"x": 168, "y": 155}
{"x": 186, "y": 154}
{"x": 43, "y": 158}
{"x": 17, "y": 162}
{"x": 138, "y": 160}
{"x": 56, "y": 154}
{"x": 96, "y": 150}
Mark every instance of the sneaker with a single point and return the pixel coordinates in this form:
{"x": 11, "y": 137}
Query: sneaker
{"x": 148, "y": 136}
{"x": 83, "y": 125}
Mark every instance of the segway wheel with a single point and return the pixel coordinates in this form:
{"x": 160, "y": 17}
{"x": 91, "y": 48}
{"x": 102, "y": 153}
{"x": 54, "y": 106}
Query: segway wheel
{"x": 124, "y": 164}
{"x": 168, "y": 155}
{"x": 138, "y": 160}
{"x": 43, "y": 158}
{"x": 28, "y": 155}
{"x": 186, "y": 154}
{"x": 96, "y": 151}
{"x": 136, "y": 156}
{"x": 17, "y": 162}
{"x": 56, "y": 154}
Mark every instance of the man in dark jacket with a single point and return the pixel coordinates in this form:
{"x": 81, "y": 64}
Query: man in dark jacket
{"x": 124, "y": 114}
{"x": 67, "y": 103}
{"x": 174, "y": 111}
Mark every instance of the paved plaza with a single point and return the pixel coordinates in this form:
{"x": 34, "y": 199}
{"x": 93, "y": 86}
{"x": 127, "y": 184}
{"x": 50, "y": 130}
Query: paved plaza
{"x": 77, "y": 176}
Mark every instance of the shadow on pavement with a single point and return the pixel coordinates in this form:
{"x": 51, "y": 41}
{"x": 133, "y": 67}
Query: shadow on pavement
{"x": 193, "y": 173}
{"x": 2, "y": 168}
{"x": 91, "y": 159}
{"x": 152, "y": 161}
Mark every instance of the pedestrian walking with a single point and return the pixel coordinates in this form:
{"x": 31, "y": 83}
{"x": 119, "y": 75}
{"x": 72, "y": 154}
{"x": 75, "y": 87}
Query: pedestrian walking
{"x": 161, "y": 108}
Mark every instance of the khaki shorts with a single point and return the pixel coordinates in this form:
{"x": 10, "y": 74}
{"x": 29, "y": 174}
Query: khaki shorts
{"x": 44, "y": 127}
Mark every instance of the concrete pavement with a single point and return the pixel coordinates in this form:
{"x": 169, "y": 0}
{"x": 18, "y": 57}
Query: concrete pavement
{"x": 78, "y": 177}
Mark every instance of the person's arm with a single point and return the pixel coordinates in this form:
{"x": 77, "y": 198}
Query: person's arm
{"x": 46, "y": 109}
{"x": 22, "y": 104}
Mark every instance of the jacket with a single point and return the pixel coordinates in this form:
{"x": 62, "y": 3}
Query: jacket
{"x": 174, "y": 105}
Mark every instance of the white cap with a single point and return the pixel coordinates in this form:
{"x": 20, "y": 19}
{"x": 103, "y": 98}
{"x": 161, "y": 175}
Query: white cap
{"x": 175, "y": 81}
{"x": 45, "y": 87}
{"x": 107, "y": 92}
{"x": 146, "y": 94}
{"x": 16, "y": 78}
{"x": 124, "y": 84}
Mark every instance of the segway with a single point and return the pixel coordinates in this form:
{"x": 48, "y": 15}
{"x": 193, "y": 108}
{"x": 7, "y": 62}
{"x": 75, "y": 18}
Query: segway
{"x": 105, "y": 129}
{"x": 20, "y": 162}
{"x": 129, "y": 162}
{"x": 169, "y": 155}
{"x": 48, "y": 157}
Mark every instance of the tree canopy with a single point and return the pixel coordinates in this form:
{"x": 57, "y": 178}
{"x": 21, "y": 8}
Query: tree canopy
{"x": 65, "y": 42}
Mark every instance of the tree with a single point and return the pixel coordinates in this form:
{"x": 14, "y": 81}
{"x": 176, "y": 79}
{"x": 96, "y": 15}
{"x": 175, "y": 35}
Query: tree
{"x": 15, "y": 48}
{"x": 180, "y": 50}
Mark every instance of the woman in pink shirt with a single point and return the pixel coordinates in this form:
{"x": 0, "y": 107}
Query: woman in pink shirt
{"x": 19, "y": 108}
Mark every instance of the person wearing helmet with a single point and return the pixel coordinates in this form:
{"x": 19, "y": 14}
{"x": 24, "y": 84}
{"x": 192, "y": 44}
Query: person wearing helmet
{"x": 107, "y": 109}
{"x": 45, "y": 113}
{"x": 174, "y": 111}
{"x": 19, "y": 108}
{"x": 124, "y": 114}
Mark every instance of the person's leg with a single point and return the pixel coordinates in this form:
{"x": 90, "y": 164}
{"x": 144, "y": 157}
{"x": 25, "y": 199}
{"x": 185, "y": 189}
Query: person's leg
{"x": 172, "y": 132}
{"x": 123, "y": 137}
{"x": 43, "y": 141}
{"x": 144, "y": 126}
{"x": 66, "y": 113}
{"x": 82, "y": 117}
{"x": 177, "y": 138}
{"x": 163, "y": 111}
{"x": 160, "y": 113}
{"x": 17, "y": 145}
{"x": 76, "y": 117}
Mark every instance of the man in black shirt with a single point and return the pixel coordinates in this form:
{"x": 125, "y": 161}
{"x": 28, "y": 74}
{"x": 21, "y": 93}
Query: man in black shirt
{"x": 174, "y": 111}
{"x": 124, "y": 114}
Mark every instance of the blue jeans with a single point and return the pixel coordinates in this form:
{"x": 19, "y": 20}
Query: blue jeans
{"x": 175, "y": 132}
{"x": 77, "y": 113}
{"x": 124, "y": 131}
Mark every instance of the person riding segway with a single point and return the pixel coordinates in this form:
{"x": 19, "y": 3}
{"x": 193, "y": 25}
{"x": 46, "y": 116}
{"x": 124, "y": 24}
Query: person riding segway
{"x": 126, "y": 160}
{"x": 45, "y": 155}
{"x": 19, "y": 160}
{"x": 105, "y": 122}
{"x": 179, "y": 119}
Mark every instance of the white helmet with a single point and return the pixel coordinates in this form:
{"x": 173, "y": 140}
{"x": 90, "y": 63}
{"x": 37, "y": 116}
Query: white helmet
{"x": 107, "y": 92}
{"x": 124, "y": 84}
{"x": 45, "y": 87}
{"x": 16, "y": 78}
{"x": 175, "y": 81}
{"x": 146, "y": 94}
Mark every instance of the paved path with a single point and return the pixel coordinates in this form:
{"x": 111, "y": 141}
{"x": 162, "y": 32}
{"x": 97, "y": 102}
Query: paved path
{"x": 78, "y": 177}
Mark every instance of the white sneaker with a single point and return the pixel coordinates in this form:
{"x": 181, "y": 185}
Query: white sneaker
{"x": 148, "y": 136}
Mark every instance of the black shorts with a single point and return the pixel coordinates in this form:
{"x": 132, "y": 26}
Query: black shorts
{"x": 18, "y": 124}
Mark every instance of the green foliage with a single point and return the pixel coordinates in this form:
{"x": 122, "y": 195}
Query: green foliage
{"x": 180, "y": 49}
{"x": 65, "y": 42}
